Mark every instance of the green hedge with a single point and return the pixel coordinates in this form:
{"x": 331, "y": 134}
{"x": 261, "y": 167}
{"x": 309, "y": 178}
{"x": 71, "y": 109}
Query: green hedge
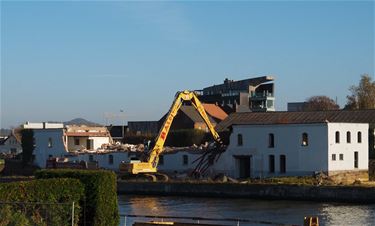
{"x": 40, "y": 202}
{"x": 101, "y": 207}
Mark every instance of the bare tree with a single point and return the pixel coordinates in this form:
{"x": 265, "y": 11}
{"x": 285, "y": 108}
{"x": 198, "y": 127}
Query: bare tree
{"x": 363, "y": 95}
{"x": 320, "y": 103}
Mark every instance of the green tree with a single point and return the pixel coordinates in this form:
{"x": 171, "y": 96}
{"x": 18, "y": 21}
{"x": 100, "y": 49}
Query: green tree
{"x": 320, "y": 103}
{"x": 363, "y": 95}
{"x": 28, "y": 145}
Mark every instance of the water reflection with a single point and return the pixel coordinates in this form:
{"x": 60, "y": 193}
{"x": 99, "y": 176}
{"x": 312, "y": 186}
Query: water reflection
{"x": 286, "y": 212}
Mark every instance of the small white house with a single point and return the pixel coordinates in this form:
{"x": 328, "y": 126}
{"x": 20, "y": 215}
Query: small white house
{"x": 296, "y": 143}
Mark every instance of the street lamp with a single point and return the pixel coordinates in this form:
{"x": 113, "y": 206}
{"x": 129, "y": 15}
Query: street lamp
{"x": 123, "y": 124}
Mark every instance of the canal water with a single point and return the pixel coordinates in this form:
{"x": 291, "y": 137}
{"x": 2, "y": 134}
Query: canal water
{"x": 255, "y": 211}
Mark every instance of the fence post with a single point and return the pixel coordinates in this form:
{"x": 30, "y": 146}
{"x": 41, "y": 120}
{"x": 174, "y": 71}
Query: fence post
{"x": 73, "y": 214}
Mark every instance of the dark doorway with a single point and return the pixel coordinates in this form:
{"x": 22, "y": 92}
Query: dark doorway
{"x": 282, "y": 164}
{"x": 88, "y": 144}
{"x": 356, "y": 159}
{"x": 244, "y": 165}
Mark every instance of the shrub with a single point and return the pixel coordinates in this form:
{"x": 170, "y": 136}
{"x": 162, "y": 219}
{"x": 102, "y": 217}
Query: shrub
{"x": 101, "y": 206}
{"x": 25, "y": 203}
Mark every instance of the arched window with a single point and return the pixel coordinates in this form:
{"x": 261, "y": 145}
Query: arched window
{"x": 359, "y": 137}
{"x": 239, "y": 140}
{"x": 271, "y": 140}
{"x": 337, "y": 137}
{"x": 348, "y": 137}
{"x": 305, "y": 139}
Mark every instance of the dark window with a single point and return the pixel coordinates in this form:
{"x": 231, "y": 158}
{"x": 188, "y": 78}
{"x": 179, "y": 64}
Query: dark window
{"x": 282, "y": 164}
{"x": 91, "y": 158}
{"x": 161, "y": 160}
{"x": 239, "y": 140}
{"x": 341, "y": 157}
{"x": 305, "y": 139}
{"x": 348, "y": 137}
{"x": 333, "y": 157}
{"x": 359, "y": 137}
{"x": 271, "y": 140}
{"x": 110, "y": 159}
{"x": 76, "y": 141}
{"x": 49, "y": 156}
{"x": 185, "y": 160}
{"x": 50, "y": 142}
{"x": 13, "y": 150}
{"x": 337, "y": 136}
{"x": 271, "y": 163}
{"x": 356, "y": 159}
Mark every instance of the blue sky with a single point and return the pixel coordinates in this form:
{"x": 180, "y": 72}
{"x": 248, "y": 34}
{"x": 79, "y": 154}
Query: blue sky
{"x": 61, "y": 60}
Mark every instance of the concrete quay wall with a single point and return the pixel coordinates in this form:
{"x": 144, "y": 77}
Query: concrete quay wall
{"x": 350, "y": 194}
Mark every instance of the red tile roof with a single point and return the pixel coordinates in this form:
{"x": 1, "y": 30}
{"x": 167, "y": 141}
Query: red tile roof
{"x": 215, "y": 111}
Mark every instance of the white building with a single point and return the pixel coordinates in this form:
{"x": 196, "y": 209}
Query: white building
{"x": 55, "y": 140}
{"x": 295, "y": 143}
{"x": 295, "y": 149}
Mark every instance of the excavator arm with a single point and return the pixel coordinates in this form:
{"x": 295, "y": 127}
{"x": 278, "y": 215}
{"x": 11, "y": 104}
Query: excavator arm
{"x": 153, "y": 158}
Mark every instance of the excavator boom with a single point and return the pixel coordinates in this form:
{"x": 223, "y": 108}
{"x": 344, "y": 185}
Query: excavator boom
{"x": 150, "y": 166}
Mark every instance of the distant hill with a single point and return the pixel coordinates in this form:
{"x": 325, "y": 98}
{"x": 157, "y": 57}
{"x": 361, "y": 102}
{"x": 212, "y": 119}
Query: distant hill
{"x": 81, "y": 121}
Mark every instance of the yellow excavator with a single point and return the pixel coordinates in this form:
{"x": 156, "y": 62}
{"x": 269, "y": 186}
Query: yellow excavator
{"x": 150, "y": 163}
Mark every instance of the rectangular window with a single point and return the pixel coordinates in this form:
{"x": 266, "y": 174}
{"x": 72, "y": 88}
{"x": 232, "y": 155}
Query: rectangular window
{"x": 185, "y": 160}
{"x": 356, "y": 159}
{"x": 341, "y": 157}
{"x": 161, "y": 160}
{"x": 271, "y": 140}
{"x": 271, "y": 163}
{"x": 91, "y": 158}
{"x": 333, "y": 157}
{"x": 110, "y": 159}
{"x": 282, "y": 164}
{"x": 13, "y": 150}
{"x": 239, "y": 140}
{"x": 76, "y": 141}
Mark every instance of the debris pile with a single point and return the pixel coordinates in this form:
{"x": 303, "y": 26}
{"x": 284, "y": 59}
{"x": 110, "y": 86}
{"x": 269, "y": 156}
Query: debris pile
{"x": 119, "y": 147}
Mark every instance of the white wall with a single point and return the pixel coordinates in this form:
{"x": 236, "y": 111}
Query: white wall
{"x": 300, "y": 160}
{"x": 42, "y": 151}
{"x": 348, "y": 149}
{"x": 174, "y": 162}
{"x": 103, "y": 159}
